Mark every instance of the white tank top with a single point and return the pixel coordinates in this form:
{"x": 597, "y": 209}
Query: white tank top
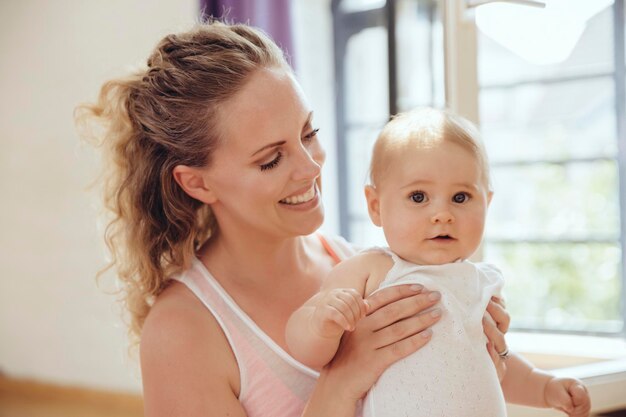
{"x": 273, "y": 383}
{"x": 452, "y": 375}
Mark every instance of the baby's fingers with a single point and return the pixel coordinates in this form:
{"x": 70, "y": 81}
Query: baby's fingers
{"x": 557, "y": 395}
{"x": 339, "y": 312}
{"x": 350, "y": 304}
{"x": 580, "y": 400}
{"x": 355, "y": 301}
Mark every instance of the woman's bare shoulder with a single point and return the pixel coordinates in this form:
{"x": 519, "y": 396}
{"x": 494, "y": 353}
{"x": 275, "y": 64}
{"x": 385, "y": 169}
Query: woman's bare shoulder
{"x": 186, "y": 362}
{"x": 176, "y": 312}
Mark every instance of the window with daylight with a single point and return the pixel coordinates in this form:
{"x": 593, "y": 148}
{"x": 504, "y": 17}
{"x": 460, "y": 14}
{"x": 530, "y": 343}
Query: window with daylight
{"x": 555, "y": 131}
{"x": 552, "y": 131}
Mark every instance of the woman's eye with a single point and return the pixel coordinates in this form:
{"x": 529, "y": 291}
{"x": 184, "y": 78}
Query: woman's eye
{"x": 309, "y": 136}
{"x": 418, "y": 197}
{"x": 271, "y": 164}
{"x": 461, "y": 198}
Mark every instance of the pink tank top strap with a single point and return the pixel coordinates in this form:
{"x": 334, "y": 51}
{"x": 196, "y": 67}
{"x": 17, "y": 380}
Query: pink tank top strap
{"x": 272, "y": 382}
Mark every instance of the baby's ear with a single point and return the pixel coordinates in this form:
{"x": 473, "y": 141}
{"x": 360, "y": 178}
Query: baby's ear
{"x": 373, "y": 204}
{"x": 489, "y": 197}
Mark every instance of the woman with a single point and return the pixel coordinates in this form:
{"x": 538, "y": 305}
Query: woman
{"x": 215, "y": 186}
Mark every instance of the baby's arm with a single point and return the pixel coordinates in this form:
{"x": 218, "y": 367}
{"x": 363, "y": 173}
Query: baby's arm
{"x": 315, "y": 329}
{"x": 524, "y": 384}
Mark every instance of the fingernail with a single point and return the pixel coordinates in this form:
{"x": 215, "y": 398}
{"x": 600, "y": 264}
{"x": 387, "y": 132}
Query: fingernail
{"x": 434, "y": 296}
{"x": 416, "y": 287}
{"x": 436, "y": 312}
{"x": 426, "y": 333}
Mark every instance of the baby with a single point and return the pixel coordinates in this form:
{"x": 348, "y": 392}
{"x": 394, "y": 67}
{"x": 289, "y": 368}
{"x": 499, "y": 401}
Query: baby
{"x": 429, "y": 191}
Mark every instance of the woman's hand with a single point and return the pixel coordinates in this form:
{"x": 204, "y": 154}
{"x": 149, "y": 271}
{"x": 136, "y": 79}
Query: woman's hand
{"x": 396, "y": 325}
{"x": 495, "y": 324}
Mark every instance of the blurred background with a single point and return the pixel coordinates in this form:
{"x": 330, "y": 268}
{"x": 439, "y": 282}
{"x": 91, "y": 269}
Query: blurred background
{"x": 545, "y": 84}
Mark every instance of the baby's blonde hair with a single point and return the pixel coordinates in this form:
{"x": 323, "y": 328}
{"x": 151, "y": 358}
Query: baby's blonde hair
{"x": 425, "y": 127}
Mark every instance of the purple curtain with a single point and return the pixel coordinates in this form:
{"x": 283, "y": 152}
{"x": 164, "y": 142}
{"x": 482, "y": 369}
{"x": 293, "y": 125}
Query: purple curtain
{"x": 273, "y": 16}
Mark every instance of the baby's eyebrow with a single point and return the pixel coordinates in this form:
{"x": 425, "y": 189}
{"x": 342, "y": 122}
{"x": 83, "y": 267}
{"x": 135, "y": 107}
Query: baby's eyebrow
{"x": 417, "y": 183}
{"x": 466, "y": 185}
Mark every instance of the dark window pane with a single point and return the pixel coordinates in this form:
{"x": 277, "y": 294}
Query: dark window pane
{"x": 419, "y": 38}
{"x": 359, "y": 144}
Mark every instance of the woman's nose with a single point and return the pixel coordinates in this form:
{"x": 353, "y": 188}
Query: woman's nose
{"x": 308, "y": 165}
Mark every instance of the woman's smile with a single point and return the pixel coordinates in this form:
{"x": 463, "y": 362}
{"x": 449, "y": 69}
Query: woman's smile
{"x": 302, "y": 200}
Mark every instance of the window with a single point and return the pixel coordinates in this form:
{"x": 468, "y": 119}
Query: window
{"x": 388, "y": 58}
{"x": 555, "y": 134}
{"x": 552, "y": 135}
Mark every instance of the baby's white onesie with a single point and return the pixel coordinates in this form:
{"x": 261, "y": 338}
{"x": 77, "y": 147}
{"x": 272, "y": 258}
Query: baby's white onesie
{"x": 452, "y": 375}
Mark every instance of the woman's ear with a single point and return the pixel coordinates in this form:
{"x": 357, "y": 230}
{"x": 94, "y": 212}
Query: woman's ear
{"x": 373, "y": 204}
{"x": 193, "y": 182}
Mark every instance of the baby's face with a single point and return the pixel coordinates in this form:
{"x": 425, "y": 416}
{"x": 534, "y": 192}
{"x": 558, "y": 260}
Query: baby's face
{"x": 431, "y": 203}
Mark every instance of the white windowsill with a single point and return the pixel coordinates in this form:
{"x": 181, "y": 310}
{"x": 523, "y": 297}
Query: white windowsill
{"x": 599, "y": 362}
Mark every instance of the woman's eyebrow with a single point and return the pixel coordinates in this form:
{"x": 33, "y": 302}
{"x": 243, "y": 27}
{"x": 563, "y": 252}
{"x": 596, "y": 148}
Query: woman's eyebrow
{"x": 308, "y": 120}
{"x": 268, "y": 146}
{"x": 282, "y": 142}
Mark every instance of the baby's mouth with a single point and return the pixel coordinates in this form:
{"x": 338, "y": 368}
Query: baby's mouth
{"x": 442, "y": 238}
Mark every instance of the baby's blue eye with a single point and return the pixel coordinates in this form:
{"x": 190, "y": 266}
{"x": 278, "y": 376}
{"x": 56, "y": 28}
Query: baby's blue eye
{"x": 418, "y": 197}
{"x": 461, "y": 198}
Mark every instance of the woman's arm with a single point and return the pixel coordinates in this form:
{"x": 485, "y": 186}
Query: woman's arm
{"x": 395, "y": 327}
{"x": 188, "y": 368}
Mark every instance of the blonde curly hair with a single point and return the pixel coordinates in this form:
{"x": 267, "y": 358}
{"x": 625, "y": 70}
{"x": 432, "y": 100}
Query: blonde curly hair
{"x": 151, "y": 121}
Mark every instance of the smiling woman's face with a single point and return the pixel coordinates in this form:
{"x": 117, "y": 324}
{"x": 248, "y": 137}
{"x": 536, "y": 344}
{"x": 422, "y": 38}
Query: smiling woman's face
{"x": 265, "y": 176}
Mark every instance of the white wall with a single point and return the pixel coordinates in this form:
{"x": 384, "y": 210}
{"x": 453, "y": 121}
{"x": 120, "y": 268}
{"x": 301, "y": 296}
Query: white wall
{"x": 55, "y": 324}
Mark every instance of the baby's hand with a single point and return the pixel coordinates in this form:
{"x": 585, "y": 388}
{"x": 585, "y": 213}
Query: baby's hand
{"x": 568, "y": 395}
{"x": 338, "y": 310}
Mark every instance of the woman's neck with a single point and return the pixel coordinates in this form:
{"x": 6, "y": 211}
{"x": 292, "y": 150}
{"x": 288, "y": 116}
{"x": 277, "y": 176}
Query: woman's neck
{"x": 263, "y": 261}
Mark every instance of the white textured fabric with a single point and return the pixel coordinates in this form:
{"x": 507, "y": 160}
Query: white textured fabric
{"x": 453, "y": 375}
{"x": 272, "y": 382}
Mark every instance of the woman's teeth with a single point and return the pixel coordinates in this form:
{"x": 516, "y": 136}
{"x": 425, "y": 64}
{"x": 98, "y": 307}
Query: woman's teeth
{"x": 302, "y": 198}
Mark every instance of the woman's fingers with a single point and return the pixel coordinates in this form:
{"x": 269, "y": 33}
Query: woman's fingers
{"x": 399, "y": 331}
{"x": 497, "y": 361}
{"x": 403, "y": 348}
{"x": 388, "y": 295}
{"x": 494, "y": 335}
{"x": 397, "y": 324}
{"x": 401, "y": 308}
{"x": 496, "y": 310}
